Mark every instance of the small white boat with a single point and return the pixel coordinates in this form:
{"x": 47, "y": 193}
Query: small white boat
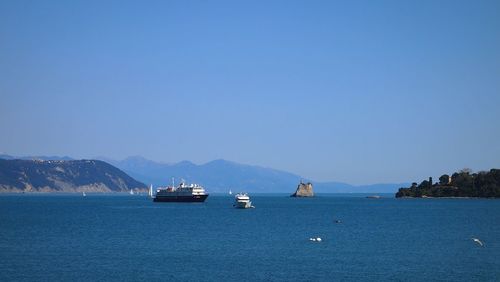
{"x": 83, "y": 194}
{"x": 230, "y": 192}
{"x": 131, "y": 192}
{"x": 242, "y": 201}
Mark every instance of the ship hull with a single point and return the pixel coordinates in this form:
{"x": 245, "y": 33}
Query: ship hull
{"x": 181, "y": 199}
{"x": 243, "y": 205}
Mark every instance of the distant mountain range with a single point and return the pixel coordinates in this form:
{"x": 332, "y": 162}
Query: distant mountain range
{"x": 215, "y": 176}
{"x": 221, "y": 175}
{"x": 38, "y": 175}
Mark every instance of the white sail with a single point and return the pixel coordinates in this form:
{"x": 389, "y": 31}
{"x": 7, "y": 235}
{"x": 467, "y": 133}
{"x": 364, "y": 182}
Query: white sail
{"x": 151, "y": 191}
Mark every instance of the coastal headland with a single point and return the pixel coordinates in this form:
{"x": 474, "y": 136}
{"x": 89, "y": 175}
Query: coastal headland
{"x": 462, "y": 184}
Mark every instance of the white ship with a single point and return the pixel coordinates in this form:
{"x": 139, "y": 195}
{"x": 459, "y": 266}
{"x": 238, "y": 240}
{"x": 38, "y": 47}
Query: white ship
{"x": 242, "y": 201}
{"x": 181, "y": 193}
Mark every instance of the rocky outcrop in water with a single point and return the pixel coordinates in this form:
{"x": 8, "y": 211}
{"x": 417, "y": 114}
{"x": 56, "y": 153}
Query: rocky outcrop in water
{"x": 304, "y": 190}
{"x": 64, "y": 176}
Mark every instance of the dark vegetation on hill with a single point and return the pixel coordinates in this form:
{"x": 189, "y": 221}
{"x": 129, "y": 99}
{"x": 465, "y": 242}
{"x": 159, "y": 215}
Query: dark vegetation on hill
{"x": 460, "y": 184}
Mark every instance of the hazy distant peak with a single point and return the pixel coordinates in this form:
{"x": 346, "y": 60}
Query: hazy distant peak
{"x": 185, "y": 163}
{"x": 221, "y": 162}
{"x": 136, "y": 158}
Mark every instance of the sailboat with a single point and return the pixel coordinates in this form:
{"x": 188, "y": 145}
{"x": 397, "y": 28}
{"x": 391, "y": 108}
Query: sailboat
{"x": 131, "y": 192}
{"x": 83, "y": 194}
{"x": 151, "y": 191}
{"x": 230, "y": 192}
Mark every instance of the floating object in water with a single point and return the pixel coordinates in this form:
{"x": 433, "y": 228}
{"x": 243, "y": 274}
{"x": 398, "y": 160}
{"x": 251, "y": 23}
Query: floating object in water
{"x": 318, "y": 239}
{"x": 338, "y": 221}
{"x": 477, "y": 241}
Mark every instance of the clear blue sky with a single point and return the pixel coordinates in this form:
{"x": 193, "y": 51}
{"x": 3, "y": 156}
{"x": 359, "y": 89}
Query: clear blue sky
{"x": 354, "y": 91}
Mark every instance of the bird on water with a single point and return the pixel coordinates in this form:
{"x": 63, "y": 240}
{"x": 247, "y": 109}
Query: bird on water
{"x": 477, "y": 241}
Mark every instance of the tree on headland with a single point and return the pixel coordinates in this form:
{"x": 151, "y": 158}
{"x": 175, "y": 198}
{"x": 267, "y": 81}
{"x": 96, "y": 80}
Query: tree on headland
{"x": 466, "y": 170}
{"x": 444, "y": 179}
{"x": 423, "y": 184}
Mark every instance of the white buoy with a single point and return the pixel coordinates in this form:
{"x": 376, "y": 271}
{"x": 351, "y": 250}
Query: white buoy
{"x": 312, "y": 239}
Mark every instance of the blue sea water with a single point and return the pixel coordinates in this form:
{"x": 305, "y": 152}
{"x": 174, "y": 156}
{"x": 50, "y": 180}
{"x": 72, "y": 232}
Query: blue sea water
{"x": 101, "y": 237}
